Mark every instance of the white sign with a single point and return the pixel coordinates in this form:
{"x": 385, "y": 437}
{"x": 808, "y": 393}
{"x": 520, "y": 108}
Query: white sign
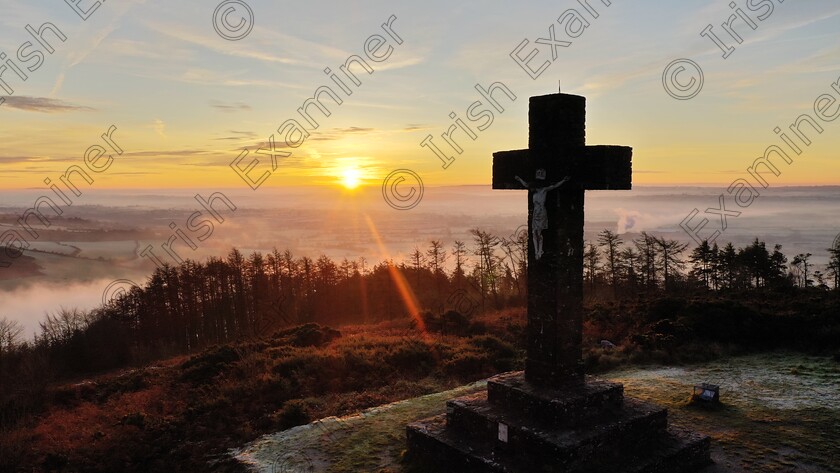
{"x": 503, "y": 432}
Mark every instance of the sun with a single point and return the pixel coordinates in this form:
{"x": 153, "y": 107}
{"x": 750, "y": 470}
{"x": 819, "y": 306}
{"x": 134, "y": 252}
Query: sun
{"x": 351, "y": 178}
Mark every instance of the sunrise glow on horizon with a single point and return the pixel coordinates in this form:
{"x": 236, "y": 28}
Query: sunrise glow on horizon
{"x": 186, "y": 103}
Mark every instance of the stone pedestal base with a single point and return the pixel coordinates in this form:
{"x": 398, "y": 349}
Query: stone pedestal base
{"x": 516, "y": 427}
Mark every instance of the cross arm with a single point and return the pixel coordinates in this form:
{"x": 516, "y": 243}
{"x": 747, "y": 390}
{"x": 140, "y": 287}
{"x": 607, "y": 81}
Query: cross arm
{"x": 590, "y": 167}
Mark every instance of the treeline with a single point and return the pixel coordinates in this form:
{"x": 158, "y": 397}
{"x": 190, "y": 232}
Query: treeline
{"x": 185, "y": 308}
{"x": 656, "y": 264}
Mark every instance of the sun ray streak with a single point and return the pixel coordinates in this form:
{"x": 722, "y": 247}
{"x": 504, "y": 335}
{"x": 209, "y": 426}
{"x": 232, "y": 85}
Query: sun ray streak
{"x": 404, "y": 288}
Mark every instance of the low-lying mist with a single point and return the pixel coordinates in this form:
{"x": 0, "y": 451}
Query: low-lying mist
{"x": 30, "y": 304}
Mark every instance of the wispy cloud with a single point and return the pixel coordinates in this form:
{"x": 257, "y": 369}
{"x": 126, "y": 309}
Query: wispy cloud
{"x": 399, "y": 64}
{"x": 59, "y": 82}
{"x": 181, "y": 152}
{"x": 148, "y": 50}
{"x": 137, "y": 173}
{"x": 230, "y": 108}
{"x": 208, "y": 41}
{"x": 160, "y": 127}
{"x": 43, "y": 105}
{"x": 354, "y": 129}
{"x": 22, "y": 159}
{"x": 238, "y": 136}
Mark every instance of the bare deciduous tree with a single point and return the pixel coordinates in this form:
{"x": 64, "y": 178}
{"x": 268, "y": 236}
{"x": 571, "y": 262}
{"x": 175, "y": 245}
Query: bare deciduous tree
{"x": 611, "y": 243}
{"x": 10, "y": 331}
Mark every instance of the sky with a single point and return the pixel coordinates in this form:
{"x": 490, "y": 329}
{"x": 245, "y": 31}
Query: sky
{"x": 187, "y": 102}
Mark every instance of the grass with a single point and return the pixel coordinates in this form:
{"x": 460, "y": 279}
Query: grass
{"x": 797, "y": 434}
{"x": 780, "y": 411}
{"x": 371, "y": 441}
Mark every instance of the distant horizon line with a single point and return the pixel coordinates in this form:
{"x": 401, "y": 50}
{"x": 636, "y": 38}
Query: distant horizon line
{"x": 368, "y": 188}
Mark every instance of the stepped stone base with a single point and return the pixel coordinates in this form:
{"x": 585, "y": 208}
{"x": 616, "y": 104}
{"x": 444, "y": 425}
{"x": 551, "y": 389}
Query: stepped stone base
{"x": 516, "y": 427}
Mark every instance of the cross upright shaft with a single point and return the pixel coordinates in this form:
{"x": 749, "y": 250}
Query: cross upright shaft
{"x": 557, "y": 150}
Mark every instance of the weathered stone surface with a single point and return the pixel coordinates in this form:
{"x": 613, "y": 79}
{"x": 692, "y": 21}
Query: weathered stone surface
{"x": 532, "y": 440}
{"x": 562, "y": 405}
{"x": 676, "y": 451}
{"x": 436, "y": 449}
{"x": 556, "y": 121}
{"x": 599, "y": 167}
{"x": 588, "y": 427}
{"x": 433, "y": 448}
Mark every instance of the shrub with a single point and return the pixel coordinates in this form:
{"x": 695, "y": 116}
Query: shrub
{"x": 411, "y": 356}
{"x": 469, "y": 366}
{"x": 309, "y": 335}
{"x": 453, "y": 322}
{"x": 495, "y": 347}
{"x": 293, "y": 414}
{"x": 201, "y": 369}
{"x": 665, "y": 308}
{"x": 430, "y": 320}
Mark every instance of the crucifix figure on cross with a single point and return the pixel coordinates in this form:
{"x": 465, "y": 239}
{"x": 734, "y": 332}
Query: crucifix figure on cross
{"x": 557, "y": 147}
{"x": 539, "y": 220}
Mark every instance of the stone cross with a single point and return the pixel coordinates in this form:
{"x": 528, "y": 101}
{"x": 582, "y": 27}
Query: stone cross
{"x": 556, "y": 152}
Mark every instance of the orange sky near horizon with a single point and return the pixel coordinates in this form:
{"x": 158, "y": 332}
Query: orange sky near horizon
{"x": 186, "y": 102}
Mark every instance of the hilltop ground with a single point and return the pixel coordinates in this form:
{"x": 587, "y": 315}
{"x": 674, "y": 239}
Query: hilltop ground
{"x": 183, "y": 413}
{"x": 186, "y": 413}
